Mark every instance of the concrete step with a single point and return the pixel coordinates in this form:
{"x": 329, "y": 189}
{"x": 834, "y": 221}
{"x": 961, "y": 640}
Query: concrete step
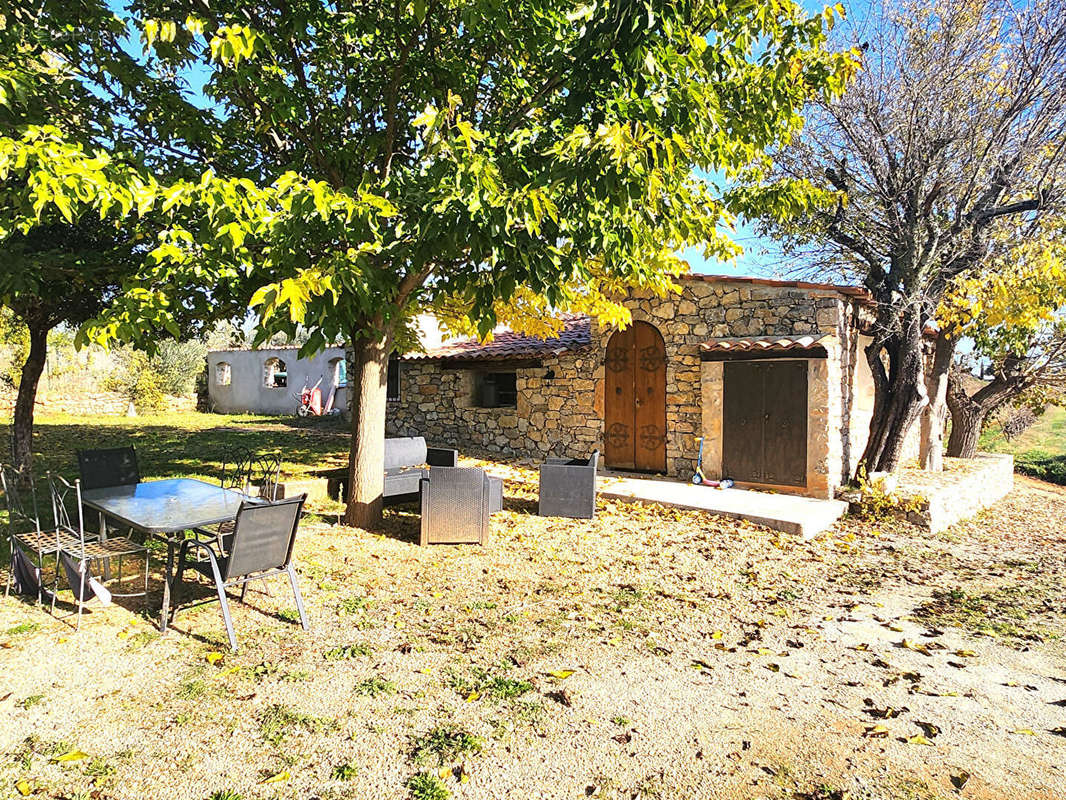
{"x": 803, "y": 516}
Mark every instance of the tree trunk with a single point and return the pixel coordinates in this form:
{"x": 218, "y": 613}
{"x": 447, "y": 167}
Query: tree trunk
{"x": 968, "y": 414}
{"x": 931, "y": 454}
{"x": 967, "y": 421}
{"x": 22, "y": 419}
{"x": 366, "y": 402}
{"x": 899, "y": 394}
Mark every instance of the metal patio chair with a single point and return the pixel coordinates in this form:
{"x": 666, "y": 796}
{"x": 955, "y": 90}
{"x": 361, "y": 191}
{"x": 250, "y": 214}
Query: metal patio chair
{"x": 261, "y": 546}
{"x": 77, "y": 552}
{"x": 253, "y": 474}
{"x": 568, "y": 487}
{"x": 25, "y": 535}
{"x": 250, "y": 473}
{"x": 111, "y": 466}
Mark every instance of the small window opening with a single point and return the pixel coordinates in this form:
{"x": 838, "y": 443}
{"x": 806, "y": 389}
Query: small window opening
{"x": 496, "y": 390}
{"x": 275, "y": 375}
{"x": 392, "y": 380}
{"x": 340, "y": 372}
{"x": 223, "y": 374}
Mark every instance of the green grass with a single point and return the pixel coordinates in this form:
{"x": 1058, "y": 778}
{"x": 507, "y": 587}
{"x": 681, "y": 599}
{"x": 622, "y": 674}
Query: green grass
{"x": 1040, "y": 451}
{"x": 345, "y": 772}
{"x": 427, "y": 786}
{"x": 375, "y": 687}
{"x": 31, "y": 701}
{"x": 188, "y": 445}
{"x": 21, "y": 628}
{"x": 348, "y": 651}
{"x": 1009, "y": 612}
{"x": 277, "y": 722}
{"x": 444, "y": 744}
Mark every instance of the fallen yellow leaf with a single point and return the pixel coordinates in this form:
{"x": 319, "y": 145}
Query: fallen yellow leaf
{"x": 23, "y": 787}
{"x": 281, "y": 777}
{"x": 877, "y": 731}
{"x": 445, "y": 773}
{"x": 919, "y": 739}
{"x": 214, "y": 657}
{"x": 1026, "y": 731}
{"x": 716, "y": 635}
{"x": 71, "y": 755}
{"x": 474, "y": 695}
{"x": 561, "y": 674}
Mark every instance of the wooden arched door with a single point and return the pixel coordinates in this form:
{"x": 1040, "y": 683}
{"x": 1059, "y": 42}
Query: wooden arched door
{"x": 635, "y": 399}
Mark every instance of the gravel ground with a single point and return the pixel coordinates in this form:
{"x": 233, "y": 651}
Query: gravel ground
{"x": 650, "y": 653}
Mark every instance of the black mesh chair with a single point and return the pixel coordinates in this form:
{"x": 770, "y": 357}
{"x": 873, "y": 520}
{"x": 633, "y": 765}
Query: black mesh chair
{"x": 456, "y": 504}
{"x": 263, "y": 538}
{"x": 568, "y": 487}
{"x": 113, "y": 466}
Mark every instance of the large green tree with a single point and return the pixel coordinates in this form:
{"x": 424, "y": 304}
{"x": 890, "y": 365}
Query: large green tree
{"x": 83, "y": 128}
{"x": 477, "y": 159}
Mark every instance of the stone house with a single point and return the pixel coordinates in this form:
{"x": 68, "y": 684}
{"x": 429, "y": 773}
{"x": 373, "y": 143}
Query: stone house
{"x": 770, "y": 373}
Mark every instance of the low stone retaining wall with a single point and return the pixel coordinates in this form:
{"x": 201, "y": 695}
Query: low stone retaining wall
{"x": 938, "y": 500}
{"x": 87, "y": 403}
{"x": 966, "y": 487}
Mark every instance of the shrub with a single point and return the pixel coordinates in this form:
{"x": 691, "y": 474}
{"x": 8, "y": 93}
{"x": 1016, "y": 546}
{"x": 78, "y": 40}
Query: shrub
{"x": 147, "y": 393}
{"x": 178, "y": 364}
{"x": 1042, "y": 465}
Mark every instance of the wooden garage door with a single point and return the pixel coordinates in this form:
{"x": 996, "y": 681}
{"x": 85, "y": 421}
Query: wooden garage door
{"x": 764, "y": 422}
{"x": 635, "y": 400}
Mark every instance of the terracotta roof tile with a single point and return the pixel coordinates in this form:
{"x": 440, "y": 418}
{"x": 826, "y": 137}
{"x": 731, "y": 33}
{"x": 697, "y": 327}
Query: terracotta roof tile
{"x": 575, "y": 335}
{"x": 744, "y": 344}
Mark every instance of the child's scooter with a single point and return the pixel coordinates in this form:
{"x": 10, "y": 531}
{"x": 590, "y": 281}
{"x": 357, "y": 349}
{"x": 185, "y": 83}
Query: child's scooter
{"x": 699, "y": 479}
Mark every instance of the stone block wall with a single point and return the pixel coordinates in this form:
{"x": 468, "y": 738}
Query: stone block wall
{"x": 963, "y": 489}
{"x": 557, "y": 412}
{"x": 710, "y": 309}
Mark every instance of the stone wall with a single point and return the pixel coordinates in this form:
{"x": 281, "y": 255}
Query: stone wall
{"x": 88, "y": 403}
{"x": 557, "y": 412}
{"x": 563, "y": 415}
{"x": 711, "y": 309}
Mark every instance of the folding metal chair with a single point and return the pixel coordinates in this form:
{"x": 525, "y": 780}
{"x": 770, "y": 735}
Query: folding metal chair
{"x": 261, "y": 546}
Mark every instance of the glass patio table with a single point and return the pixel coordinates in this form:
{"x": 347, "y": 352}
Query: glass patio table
{"x": 165, "y": 509}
